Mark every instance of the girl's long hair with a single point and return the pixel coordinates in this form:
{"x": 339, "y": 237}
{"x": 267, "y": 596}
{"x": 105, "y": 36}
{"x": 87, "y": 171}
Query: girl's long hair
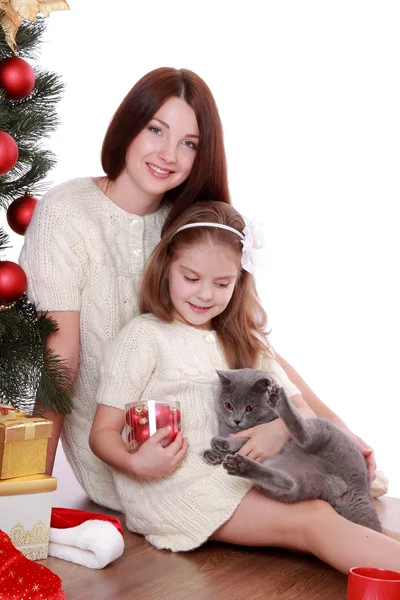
{"x": 241, "y": 327}
{"x": 208, "y": 177}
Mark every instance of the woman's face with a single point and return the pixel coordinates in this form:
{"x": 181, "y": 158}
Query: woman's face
{"x": 161, "y": 156}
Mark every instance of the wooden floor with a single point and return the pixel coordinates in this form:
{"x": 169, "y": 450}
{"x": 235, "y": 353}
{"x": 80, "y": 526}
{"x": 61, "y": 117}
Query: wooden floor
{"x": 212, "y": 572}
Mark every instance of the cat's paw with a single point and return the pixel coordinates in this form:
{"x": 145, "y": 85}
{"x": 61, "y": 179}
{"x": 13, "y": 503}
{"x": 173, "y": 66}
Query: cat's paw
{"x": 275, "y": 395}
{"x": 213, "y": 457}
{"x": 221, "y": 444}
{"x": 236, "y": 464}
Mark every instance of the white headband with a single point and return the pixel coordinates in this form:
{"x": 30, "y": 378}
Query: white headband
{"x": 190, "y": 225}
{"x": 252, "y": 239}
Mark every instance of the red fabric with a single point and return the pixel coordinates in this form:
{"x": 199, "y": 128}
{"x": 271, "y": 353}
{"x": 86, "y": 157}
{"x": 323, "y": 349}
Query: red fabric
{"x": 63, "y": 518}
{"x": 24, "y": 578}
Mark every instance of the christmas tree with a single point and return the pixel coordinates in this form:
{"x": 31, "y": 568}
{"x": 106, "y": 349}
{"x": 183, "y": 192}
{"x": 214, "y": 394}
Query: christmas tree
{"x": 31, "y": 377}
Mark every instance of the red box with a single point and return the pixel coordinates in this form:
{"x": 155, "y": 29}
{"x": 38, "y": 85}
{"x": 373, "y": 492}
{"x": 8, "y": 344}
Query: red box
{"x": 144, "y": 418}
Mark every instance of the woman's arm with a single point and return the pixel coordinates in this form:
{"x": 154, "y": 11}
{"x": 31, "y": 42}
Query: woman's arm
{"x": 151, "y": 460}
{"x": 323, "y": 411}
{"x": 320, "y": 409}
{"x": 65, "y": 343}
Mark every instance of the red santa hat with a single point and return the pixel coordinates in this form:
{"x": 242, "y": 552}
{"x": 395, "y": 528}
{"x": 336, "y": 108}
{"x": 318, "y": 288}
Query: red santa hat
{"x": 86, "y": 538}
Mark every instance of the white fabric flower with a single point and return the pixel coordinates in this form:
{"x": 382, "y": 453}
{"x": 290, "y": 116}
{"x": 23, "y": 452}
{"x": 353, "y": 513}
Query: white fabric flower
{"x": 253, "y": 244}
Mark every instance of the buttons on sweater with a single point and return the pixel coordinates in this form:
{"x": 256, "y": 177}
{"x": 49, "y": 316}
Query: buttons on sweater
{"x": 215, "y": 360}
{"x": 137, "y": 251}
{"x": 210, "y": 338}
{"x": 135, "y": 222}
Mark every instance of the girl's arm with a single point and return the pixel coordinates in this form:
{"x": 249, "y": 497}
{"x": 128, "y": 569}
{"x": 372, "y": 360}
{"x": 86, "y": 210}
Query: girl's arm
{"x": 269, "y": 438}
{"x": 65, "y": 343}
{"x": 151, "y": 460}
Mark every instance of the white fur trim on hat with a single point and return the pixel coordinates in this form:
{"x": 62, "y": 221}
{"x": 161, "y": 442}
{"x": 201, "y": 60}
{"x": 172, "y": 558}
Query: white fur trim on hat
{"x": 93, "y": 544}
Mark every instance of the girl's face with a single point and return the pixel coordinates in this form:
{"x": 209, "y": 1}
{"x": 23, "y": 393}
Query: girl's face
{"x": 201, "y": 282}
{"x": 161, "y": 156}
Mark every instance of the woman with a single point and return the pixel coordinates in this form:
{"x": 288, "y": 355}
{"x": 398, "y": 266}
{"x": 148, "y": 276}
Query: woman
{"x": 89, "y": 239}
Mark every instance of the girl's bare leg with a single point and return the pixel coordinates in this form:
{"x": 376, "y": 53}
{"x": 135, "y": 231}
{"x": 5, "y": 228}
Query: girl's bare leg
{"x": 392, "y": 534}
{"x": 312, "y": 527}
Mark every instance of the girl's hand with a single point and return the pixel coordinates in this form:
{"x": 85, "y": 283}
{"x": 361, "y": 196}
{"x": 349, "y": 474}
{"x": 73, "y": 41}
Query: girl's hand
{"x": 265, "y": 440}
{"x": 153, "y": 460}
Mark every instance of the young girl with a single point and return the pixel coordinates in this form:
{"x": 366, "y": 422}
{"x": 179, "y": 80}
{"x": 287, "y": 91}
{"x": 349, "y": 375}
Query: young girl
{"x": 200, "y": 313}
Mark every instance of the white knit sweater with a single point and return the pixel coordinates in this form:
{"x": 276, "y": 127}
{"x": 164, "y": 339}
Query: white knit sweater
{"x": 84, "y": 253}
{"x": 151, "y": 359}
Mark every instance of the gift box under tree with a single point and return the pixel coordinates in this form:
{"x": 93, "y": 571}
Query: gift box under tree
{"x": 23, "y": 443}
{"x": 25, "y": 511}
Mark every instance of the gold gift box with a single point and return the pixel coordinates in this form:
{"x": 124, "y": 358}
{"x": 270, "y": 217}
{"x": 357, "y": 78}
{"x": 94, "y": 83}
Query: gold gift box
{"x": 25, "y": 512}
{"x": 23, "y": 443}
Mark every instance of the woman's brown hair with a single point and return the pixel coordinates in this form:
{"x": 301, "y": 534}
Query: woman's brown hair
{"x": 241, "y": 326}
{"x": 208, "y": 177}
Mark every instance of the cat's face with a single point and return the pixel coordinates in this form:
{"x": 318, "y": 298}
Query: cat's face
{"x": 241, "y": 402}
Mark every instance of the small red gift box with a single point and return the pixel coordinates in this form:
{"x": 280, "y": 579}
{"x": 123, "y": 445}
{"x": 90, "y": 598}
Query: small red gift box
{"x": 144, "y": 418}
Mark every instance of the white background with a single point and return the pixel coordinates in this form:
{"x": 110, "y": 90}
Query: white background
{"x": 309, "y": 96}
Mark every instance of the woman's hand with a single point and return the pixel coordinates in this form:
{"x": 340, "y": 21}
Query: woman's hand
{"x": 365, "y": 449}
{"x": 154, "y": 460}
{"x": 369, "y": 455}
{"x": 265, "y": 440}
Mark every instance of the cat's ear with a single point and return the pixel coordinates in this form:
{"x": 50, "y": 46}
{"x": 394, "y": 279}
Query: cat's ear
{"x": 263, "y": 384}
{"x": 224, "y": 378}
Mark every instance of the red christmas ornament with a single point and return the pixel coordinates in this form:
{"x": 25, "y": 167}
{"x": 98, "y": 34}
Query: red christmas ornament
{"x": 13, "y": 281}
{"x": 142, "y": 433}
{"x": 174, "y": 424}
{"x": 20, "y": 211}
{"x": 17, "y": 78}
{"x": 8, "y": 152}
{"x": 162, "y": 413}
{"x": 177, "y": 413}
{"x": 133, "y": 415}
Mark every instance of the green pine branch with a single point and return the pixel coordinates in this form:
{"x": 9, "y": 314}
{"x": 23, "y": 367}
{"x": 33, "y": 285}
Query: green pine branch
{"x": 29, "y": 120}
{"x": 32, "y": 377}
{"x": 29, "y": 173}
{"x": 28, "y": 39}
{"x": 54, "y": 385}
{"x": 20, "y": 354}
{"x": 4, "y": 240}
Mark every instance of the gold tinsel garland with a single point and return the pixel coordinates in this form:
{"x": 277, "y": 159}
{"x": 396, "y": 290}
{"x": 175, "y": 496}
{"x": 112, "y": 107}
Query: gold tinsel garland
{"x": 16, "y": 11}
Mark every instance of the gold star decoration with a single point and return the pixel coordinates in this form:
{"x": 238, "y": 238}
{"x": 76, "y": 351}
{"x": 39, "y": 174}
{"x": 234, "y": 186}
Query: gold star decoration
{"x": 15, "y": 11}
{"x": 35, "y": 587}
{"x": 11, "y": 573}
{"x": 20, "y": 580}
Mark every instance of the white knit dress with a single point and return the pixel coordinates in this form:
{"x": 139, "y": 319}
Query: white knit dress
{"x": 151, "y": 359}
{"x": 84, "y": 253}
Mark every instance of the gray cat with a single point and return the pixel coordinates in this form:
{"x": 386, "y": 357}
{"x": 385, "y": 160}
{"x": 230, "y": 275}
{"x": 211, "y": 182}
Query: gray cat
{"x": 319, "y": 461}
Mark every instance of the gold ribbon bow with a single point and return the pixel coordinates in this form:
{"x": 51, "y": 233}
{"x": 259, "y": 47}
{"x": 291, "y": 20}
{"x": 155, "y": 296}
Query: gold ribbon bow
{"x": 16, "y": 11}
{"x": 20, "y": 419}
